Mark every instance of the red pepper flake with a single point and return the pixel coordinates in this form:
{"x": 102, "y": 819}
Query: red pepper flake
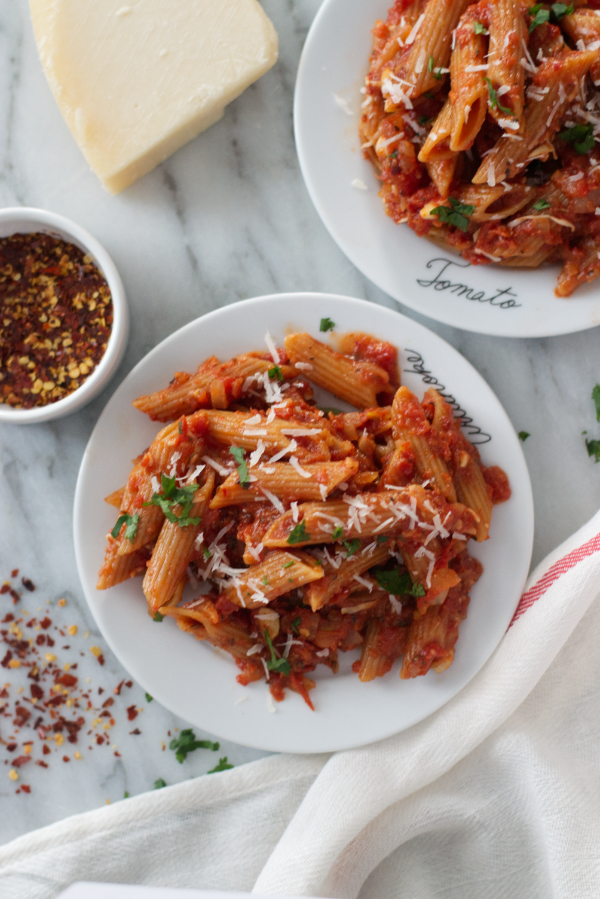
{"x": 101, "y": 659}
{"x": 45, "y": 623}
{"x": 29, "y": 585}
{"x": 135, "y": 732}
{"x": 42, "y": 764}
{"x": 129, "y": 683}
{"x": 36, "y": 691}
{"x": 25, "y": 788}
{"x": 4, "y": 588}
{"x": 132, "y": 713}
{"x": 56, "y": 317}
{"x": 6, "y": 659}
{"x": 8, "y": 617}
{"x": 46, "y": 749}
{"x": 21, "y": 760}
{"x": 13, "y": 593}
{"x": 11, "y": 747}
{"x": 108, "y": 702}
{"x": 14, "y": 572}
{"x": 99, "y": 740}
{"x": 118, "y": 688}
{"x": 67, "y": 680}
{"x": 66, "y": 758}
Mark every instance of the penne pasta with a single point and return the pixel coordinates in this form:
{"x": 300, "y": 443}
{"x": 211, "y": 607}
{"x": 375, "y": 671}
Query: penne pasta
{"x": 342, "y": 574}
{"x": 508, "y": 37}
{"x": 411, "y": 426}
{"x": 278, "y": 573}
{"x": 468, "y": 96}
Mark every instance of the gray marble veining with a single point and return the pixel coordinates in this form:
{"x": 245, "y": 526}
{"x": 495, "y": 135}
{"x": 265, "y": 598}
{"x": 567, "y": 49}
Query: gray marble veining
{"x": 225, "y": 218}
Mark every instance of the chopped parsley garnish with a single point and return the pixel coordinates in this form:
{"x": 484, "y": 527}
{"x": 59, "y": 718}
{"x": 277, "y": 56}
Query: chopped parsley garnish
{"x": 456, "y": 214}
{"x": 222, "y": 766}
{"x": 288, "y": 564}
{"x": 149, "y": 698}
{"x": 265, "y": 581}
{"x": 125, "y": 795}
{"x": 539, "y": 16}
{"x": 596, "y": 399}
{"x": 539, "y": 205}
{"x": 523, "y": 435}
{"x": 179, "y": 428}
{"x": 581, "y": 136}
{"x": 352, "y": 546}
{"x": 186, "y": 742}
{"x": 159, "y": 784}
{"x": 560, "y": 9}
{"x": 158, "y": 617}
{"x": 295, "y": 624}
{"x": 206, "y": 553}
{"x": 282, "y": 666}
{"x": 175, "y": 496}
{"x": 494, "y": 102}
{"x": 422, "y": 119}
{"x": 338, "y": 533}
{"x": 393, "y": 155}
{"x": 593, "y": 448}
{"x": 275, "y": 372}
{"x": 326, "y": 325}
{"x": 437, "y": 75}
{"x": 480, "y": 29}
{"x": 398, "y": 584}
{"x": 131, "y": 521}
{"x": 328, "y": 409}
{"x": 299, "y": 534}
{"x": 382, "y": 538}
{"x": 242, "y": 466}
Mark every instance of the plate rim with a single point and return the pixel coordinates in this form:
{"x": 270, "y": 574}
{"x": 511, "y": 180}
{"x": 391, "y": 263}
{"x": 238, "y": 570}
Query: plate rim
{"x": 132, "y": 665}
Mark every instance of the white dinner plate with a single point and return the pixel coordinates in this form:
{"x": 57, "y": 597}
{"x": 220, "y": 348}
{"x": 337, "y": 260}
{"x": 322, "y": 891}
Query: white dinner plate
{"x": 434, "y": 281}
{"x": 197, "y": 682}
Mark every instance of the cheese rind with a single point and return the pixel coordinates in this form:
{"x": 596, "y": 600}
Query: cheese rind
{"x": 136, "y": 81}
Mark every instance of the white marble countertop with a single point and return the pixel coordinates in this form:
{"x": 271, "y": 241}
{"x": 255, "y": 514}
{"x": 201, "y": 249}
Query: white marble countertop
{"x": 227, "y": 217}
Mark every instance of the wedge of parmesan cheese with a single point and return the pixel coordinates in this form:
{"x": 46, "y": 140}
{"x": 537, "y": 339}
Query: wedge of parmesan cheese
{"x": 137, "y": 79}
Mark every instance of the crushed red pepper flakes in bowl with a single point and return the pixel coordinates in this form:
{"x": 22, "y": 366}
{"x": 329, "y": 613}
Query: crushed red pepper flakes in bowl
{"x": 56, "y": 317}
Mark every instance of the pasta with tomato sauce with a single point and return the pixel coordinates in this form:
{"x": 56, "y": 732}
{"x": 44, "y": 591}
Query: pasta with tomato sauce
{"x": 304, "y": 532}
{"x": 482, "y": 121}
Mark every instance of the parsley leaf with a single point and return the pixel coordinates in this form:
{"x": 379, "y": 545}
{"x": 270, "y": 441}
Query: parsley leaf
{"x": 456, "y": 214}
{"x": 222, "y": 766}
{"x": 581, "y": 136}
{"x": 159, "y": 784}
{"x": 326, "y": 325}
{"x": 206, "y": 553}
{"x": 158, "y": 617}
{"x": 328, "y": 409}
{"x": 352, "y": 546}
{"x": 299, "y": 534}
{"x": 398, "y": 584}
{"x": 596, "y": 399}
{"x": 480, "y": 29}
{"x": 560, "y": 9}
{"x": 149, "y": 698}
{"x": 523, "y": 435}
{"x": 242, "y": 466}
{"x": 541, "y": 204}
{"x": 125, "y": 795}
{"x": 288, "y": 564}
{"x": 295, "y": 624}
{"x": 282, "y": 666}
{"x": 494, "y": 102}
{"x": 437, "y": 75}
{"x": 382, "y": 538}
{"x": 275, "y": 372}
{"x": 175, "y": 496}
{"x": 539, "y": 16}
{"x": 338, "y": 533}
{"x": 593, "y": 448}
{"x": 187, "y": 742}
{"x": 131, "y": 521}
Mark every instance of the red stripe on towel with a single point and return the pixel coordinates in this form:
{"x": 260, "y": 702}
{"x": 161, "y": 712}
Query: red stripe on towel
{"x": 559, "y": 568}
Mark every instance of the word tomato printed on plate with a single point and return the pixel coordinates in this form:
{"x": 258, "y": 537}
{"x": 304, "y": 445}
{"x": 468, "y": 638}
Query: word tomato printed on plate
{"x": 303, "y": 531}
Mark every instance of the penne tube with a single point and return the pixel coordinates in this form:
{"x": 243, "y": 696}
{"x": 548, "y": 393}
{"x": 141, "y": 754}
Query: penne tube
{"x": 432, "y": 637}
{"x": 584, "y": 25}
{"x": 373, "y": 662}
{"x": 341, "y": 575}
{"x": 508, "y": 37}
{"x": 356, "y": 381}
{"x": 173, "y": 552}
{"x": 285, "y": 482}
{"x": 430, "y": 51}
{"x": 117, "y": 569}
{"x": 542, "y": 118}
{"x": 442, "y": 173}
{"x": 410, "y": 425}
{"x": 232, "y": 429}
{"x": 278, "y": 573}
{"x": 495, "y": 203}
{"x": 468, "y": 95}
{"x": 437, "y": 145}
{"x": 392, "y": 512}
{"x": 213, "y": 384}
{"x": 116, "y": 499}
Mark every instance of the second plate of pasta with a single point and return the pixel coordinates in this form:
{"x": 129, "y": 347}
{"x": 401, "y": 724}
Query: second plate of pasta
{"x": 249, "y": 457}
{"x": 501, "y": 211}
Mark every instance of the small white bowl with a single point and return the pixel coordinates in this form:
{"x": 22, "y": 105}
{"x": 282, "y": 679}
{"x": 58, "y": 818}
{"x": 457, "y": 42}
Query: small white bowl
{"x": 25, "y": 221}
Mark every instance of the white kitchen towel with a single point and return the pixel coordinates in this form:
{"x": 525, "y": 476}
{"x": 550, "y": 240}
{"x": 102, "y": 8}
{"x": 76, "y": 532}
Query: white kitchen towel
{"x": 495, "y": 795}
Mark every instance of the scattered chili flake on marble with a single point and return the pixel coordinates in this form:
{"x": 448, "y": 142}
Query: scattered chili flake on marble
{"x": 56, "y": 316}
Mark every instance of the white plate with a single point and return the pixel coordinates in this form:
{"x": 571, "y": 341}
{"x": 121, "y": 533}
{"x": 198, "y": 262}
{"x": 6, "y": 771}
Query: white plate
{"x": 197, "y": 682}
{"x": 436, "y": 282}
